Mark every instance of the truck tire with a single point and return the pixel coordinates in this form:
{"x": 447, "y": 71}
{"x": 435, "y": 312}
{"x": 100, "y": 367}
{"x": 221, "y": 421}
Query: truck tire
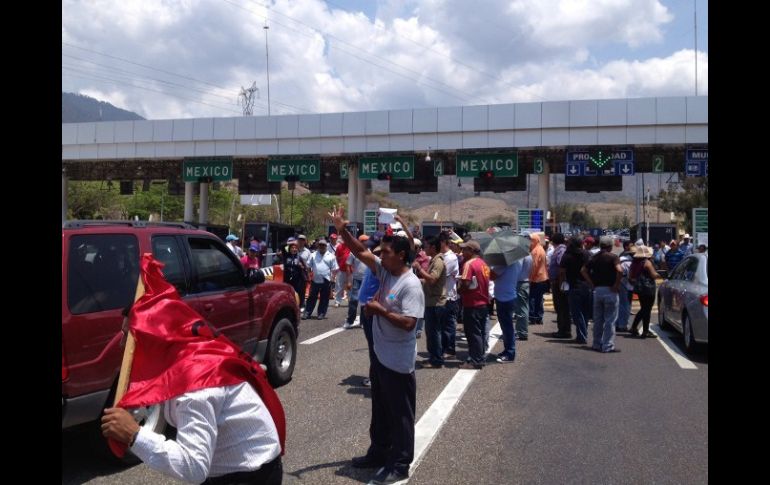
{"x": 281, "y": 353}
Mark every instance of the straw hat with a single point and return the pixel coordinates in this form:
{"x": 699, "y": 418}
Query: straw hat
{"x": 643, "y": 252}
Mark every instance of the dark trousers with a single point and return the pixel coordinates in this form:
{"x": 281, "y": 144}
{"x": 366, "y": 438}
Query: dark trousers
{"x": 299, "y": 285}
{"x": 561, "y": 305}
{"x": 394, "y": 401}
{"x": 474, "y": 324}
{"x": 646, "y": 302}
{"x": 536, "y": 292}
{"x": 435, "y": 322}
{"x": 317, "y": 289}
{"x": 450, "y": 330}
{"x": 268, "y": 474}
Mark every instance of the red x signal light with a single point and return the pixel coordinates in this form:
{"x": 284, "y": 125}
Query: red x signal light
{"x": 384, "y": 176}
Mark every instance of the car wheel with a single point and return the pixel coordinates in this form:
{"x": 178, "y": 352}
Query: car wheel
{"x": 281, "y": 353}
{"x": 661, "y": 316}
{"x": 689, "y": 338}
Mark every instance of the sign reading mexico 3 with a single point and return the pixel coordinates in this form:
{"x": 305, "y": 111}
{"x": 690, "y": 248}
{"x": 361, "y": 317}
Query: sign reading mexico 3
{"x": 502, "y": 164}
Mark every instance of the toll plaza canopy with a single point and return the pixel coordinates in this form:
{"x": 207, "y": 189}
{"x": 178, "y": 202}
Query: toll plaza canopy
{"x": 680, "y": 121}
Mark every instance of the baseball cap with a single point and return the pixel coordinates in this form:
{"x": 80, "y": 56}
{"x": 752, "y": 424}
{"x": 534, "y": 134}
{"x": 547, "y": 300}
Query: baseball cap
{"x": 401, "y": 233}
{"x": 473, "y": 245}
{"x": 589, "y": 239}
{"x": 302, "y": 236}
{"x": 291, "y": 240}
{"x": 686, "y": 236}
{"x": 417, "y": 242}
{"x": 605, "y": 241}
{"x": 254, "y": 247}
{"x": 363, "y": 237}
{"x": 333, "y": 236}
{"x": 323, "y": 241}
{"x": 231, "y": 237}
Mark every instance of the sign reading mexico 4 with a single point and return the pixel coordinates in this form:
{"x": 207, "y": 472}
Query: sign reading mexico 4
{"x": 303, "y": 169}
{"x": 600, "y": 162}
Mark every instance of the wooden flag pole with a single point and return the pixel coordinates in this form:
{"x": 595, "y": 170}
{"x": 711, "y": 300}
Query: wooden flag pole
{"x": 128, "y": 353}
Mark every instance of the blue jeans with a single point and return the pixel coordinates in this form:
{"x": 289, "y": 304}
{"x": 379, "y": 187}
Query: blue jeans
{"x": 624, "y": 309}
{"x": 579, "y": 299}
{"x": 435, "y": 321}
{"x": 605, "y": 314}
{"x": 419, "y": 325}
{"x": 353, "y": 300}
{"x": 521, "y": 308}
{"x": 450, "y": 329}
{"x": 536, "y": 292}
{"x": 505, "y": 317}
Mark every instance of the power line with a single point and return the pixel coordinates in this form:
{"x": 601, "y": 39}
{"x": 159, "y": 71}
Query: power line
{"x": 122, "y": 59}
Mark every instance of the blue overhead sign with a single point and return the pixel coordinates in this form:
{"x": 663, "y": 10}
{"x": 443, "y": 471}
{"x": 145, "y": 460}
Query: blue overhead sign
{"x": 695, "y": 168}
{"x": 697, "y": 154}
{"x": 599, "y": 162}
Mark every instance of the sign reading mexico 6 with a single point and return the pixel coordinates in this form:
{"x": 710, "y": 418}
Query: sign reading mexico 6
{"x": 304, "y": 170}
{"x": 502, "y": 164}
{"x": 398, "y": 167}
{"x": 219, "y": 170}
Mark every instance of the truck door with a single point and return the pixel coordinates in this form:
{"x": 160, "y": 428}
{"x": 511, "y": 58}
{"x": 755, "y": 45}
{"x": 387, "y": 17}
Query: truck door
{"x": 220, "y": 291}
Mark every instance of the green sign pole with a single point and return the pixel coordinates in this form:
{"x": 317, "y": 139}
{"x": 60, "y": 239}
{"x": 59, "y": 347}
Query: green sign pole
{"x": 700, "y": 226}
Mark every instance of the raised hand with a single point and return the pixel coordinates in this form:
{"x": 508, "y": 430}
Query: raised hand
{"x": 337, "y": 216}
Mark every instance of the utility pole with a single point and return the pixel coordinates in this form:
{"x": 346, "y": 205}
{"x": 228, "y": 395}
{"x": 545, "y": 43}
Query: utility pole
{"x": 695, "y": 25}
{"x": 246, "y": 98}
{"x": 267, "y": 65}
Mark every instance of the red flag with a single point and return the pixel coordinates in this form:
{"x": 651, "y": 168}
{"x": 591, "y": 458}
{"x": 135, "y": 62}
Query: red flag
{"x": 177, "y": 351}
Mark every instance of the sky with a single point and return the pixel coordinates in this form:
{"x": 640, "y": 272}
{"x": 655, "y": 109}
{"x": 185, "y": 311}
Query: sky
{"x": 169, "y": 59}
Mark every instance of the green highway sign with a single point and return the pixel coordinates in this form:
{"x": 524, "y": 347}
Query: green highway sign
{"x": 398, "y": 167}
{"x": 502, "y": 164}
{"x": 700, "y": 225}
{"x": 344, "y": 170}
{"x": 657, "y": 164}
{"x": 304, "y": 169}
{"x": 217, "y": 170}
{"x": 370, "y": 221}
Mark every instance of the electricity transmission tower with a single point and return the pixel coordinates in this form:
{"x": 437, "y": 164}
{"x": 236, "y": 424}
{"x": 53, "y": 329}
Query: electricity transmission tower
{"x": 246, "y": 98}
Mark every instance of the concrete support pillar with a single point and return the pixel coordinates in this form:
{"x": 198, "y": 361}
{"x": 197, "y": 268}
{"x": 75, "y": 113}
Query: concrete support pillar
{"x": 361, "y": 200}
{"x": 353, "y": 193}
{"x": 544, "y": 188}
{"x": 188, "y": 201}
{"x": 203, "y": 212}
{"x": 63, "y": 195}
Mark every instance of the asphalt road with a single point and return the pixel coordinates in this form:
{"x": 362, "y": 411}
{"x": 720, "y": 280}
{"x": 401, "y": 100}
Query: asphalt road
{"x": 561, "y": 413}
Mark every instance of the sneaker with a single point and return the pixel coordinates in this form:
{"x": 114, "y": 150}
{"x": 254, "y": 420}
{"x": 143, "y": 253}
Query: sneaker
{"x": 366, "y": 382}
{"x": 305, "y": 316}
{"x": 470, "y": 366}
{"x": 419, "y": 334}
{"x": 649, "y": 335}
{"x": 347, "y": 325}
{"x": 386, "y": 476}
{"x": 522, "y": 337}
{"x": 336, "y": 304}
{"x": 611, "y": 351}
{"x": 321, "y": 317}
{"x": 355, "y": 324}
{"x": 504, "y": 359}
{"x": 427, "y": 364}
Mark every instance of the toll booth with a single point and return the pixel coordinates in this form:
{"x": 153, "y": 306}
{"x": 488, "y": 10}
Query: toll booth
{"x": 658, "y": 232}
{"x": 432, "y": 228}
{"x": 220, "y": 231}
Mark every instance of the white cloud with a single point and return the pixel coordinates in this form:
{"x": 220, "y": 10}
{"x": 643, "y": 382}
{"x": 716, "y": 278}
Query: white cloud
{"x": 415, "y": 54}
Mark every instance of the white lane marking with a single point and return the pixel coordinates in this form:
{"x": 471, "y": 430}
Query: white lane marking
{"x": 322, "y": 336}
{"x": 431, "y": 422}
{"x": 673, "y": 350}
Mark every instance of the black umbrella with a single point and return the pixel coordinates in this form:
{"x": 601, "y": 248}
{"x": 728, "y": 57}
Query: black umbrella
{"x": 502, "y": 248}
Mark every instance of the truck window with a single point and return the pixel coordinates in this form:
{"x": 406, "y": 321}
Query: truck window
{"x": 166, "y": 250}
{"x": 216, "y": 271}
{"x": 102, "y": 271}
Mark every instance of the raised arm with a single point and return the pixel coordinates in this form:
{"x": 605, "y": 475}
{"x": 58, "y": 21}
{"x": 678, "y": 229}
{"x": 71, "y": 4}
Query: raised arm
{"x": 409, "y": 236}
{"x": 356, "y": 247}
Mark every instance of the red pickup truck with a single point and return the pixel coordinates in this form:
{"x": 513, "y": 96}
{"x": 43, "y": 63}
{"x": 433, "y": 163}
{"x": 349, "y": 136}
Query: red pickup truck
{"x": 100, "y": 268}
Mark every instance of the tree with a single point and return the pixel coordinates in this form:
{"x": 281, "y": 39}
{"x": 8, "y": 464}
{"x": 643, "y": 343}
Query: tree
{"x": 693, "y": 192}
{"x": 93, "y": 200}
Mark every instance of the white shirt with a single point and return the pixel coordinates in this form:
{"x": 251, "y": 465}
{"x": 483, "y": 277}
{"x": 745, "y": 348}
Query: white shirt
{"x": 220, "y": 430}
{"x": 323, "y": 265}
{"x": 452, "y": 272}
